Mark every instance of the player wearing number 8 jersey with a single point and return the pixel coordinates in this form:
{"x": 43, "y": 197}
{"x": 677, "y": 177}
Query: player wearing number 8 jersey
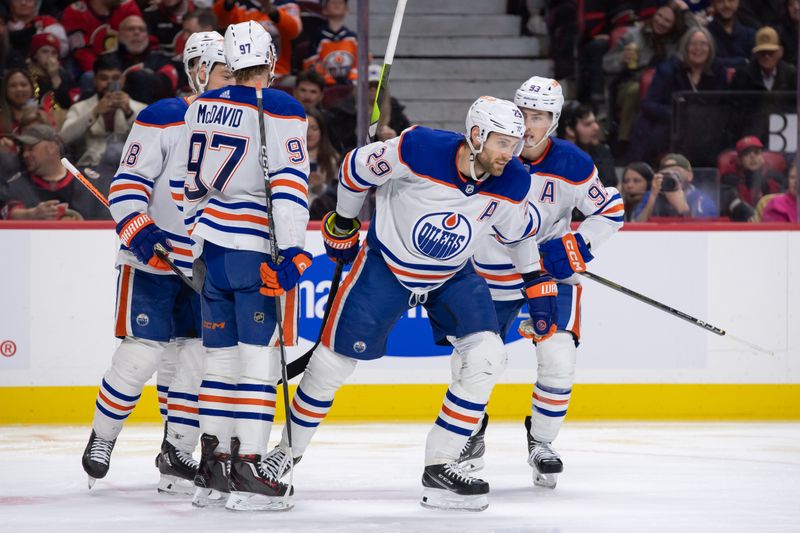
{"x": 225, "y": 212}
{"x": 438, "y": 195}
{"x": 563, "y": 178}
{"x": 158, "y": 317}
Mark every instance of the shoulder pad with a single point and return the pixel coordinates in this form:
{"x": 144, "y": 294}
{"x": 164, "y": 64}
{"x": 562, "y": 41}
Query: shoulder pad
{"x": 566, "y": 161}
{"x": 164, "y": 112}
{"x": 513, "y": 184}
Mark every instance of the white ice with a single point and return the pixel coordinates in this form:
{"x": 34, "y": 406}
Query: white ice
{"x": 366, "y": 477}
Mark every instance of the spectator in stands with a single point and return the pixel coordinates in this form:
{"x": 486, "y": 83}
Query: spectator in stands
{"x": 8, "y": 56}
{"x": 642, "y": 47}
{"x": 25, "y": 21}
{"x": 767, "y": 71}
{"x": 198, "y": 20}
{"x": 324, "y": 165}
{"x": 164, "y": 19}
{"x": 335, "y": 49}
{"x": 279, "y": 17}
{"x": 149, "y": 75}
{"x": 579, "y": 125}
{"x": 88, "y": 23}
{"x": 694, "y": 69}
{"x": 636, "y": 180}
{"x": 733, "y": 39}
{"x": 788, "y": 30}
{"x": 783, "y": 207}
{"x": 753, "y": 178}
{"x": 106, "y": 116}
{"x": 309, "y": 88}
{"x": 57, "y": 90}
{"x": 19, "y": 106}
{"x": 672, "y": 193}
{"x": 45, "y": 190}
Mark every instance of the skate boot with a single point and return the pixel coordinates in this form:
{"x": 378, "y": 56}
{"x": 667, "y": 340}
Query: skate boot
{"x": 471, "y": 459}
{"x": 252, "y": 486}
{"x": 544, "y": 459}
{"x": 178, "y": 470}
{"x": 448, "y": 486}
{"x": 97, "y": 457}
{"x": 277, "y": 464}
{"x": 211, "y": 481}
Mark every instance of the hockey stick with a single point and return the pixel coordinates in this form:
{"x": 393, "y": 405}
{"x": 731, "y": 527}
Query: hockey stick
{"x": 274, "y": 252}
{"x": 159, "y": 250}
{"x": 299, "y": 365}
{"x": 672, "y": 311}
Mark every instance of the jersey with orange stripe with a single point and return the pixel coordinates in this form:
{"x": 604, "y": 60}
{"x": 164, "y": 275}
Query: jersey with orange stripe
{"x": 564, "y": 178}
{"x": 147, "y": 180}
{"x": 429, "y": 219}
{"x": 224, "y": 200}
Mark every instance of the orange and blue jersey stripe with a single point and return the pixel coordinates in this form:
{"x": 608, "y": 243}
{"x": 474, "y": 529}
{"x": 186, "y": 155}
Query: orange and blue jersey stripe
{"x": 113, "y": 403}
{"x": 127, "y": 187}
{"x": 217, "y": 398}
{"x": 458, "y": 415}
{"x": 308, "y": 411}
{"x": 255, "y": 401}
{"x": 550, "y": 401}
{"x": 182, "y": 409}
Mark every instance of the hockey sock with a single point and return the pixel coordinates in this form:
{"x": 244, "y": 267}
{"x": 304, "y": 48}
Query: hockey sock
{"x": 255, "y": 397}
{"x": 555, "y": 374}
{"x": 458, "y": 419}
{"x": 165, "y": 375}
{"x": 548, "y": 409}
{"x": 217, "y": 398}
{"x": 183, "y": 419}
{"x": 133, "y": 364}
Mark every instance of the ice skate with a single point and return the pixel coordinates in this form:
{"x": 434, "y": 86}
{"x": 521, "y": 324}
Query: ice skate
{"x": 97, "y": 457}
{"x": 544, "y": 459}
{"x": 471, "y": 459}
{"x": 178, "y": 470}
{"x": 211, "y": 481}
{"x": 277, "y": 464}
{"x": 253, "y": 487}
{"x": 449, "y": 486}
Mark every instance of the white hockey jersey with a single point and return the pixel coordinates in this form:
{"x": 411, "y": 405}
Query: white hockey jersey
{"x": 224, "y": 200}
{"x": 429, "y": 219}
{"x": 147, "y": 172}
{"x": 562, "y": 179}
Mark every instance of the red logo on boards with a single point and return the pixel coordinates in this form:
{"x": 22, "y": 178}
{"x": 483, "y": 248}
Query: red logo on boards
{"x": 8, "y": 348}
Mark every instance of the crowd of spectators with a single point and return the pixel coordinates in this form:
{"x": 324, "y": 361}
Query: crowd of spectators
{"x": 627, "y": 63}
{"x": 75, "y": 76}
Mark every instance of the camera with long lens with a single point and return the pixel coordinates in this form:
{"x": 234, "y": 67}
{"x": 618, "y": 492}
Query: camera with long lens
{"x": 670, "y": 181}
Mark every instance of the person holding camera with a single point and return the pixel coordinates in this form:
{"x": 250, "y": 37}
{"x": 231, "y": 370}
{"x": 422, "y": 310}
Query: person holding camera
{"x": 104, "y": 117}
{"x": 672, "y": 193}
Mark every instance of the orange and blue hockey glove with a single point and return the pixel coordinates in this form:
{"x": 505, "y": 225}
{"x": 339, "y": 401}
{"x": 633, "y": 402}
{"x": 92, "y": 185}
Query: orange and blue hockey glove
{"x": 340, "y": 244}
{"x": 139, "y": 234}
{"x": 541, "y": 292}
{"x": 565, "y": 256}
{"x": 282, "y": 277}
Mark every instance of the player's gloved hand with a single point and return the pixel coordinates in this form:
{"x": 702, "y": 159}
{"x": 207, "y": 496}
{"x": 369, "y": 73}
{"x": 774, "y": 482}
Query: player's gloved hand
{"x": 282, "y": 277}
{"x": 541, "y": 293}
{"x": 340, "y": 244}
{"x": 140, "y": 235}
{"x": 565, "y": 256}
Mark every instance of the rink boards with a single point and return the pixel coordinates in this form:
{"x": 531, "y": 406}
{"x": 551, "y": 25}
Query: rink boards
{"x": 56, "y": 327}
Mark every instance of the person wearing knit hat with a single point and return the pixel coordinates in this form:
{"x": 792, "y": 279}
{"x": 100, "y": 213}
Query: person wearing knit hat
{"x": 767, "y": 71}
{"x": 753, "y": 178}
{"x": 57, "y": 89}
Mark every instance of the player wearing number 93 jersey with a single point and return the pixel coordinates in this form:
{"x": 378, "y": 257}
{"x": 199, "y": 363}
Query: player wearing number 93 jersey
{"x": 225, "y": 212}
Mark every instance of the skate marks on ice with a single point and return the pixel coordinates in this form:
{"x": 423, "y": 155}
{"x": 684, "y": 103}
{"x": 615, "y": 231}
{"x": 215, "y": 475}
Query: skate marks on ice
{"x": 617, "y": 477}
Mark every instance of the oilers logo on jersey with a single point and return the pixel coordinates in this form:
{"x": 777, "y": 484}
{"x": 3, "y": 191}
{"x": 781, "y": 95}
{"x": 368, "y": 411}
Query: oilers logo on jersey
{"x": 442, "y": 235}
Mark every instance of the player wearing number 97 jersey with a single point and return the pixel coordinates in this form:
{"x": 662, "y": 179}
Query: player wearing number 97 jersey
{"x": 225, "y": 212}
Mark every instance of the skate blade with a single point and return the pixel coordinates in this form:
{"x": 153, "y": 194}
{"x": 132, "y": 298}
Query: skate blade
{"x": 441, "y": 499}
{"x": 176, "y": 486}
{"x": 473, "y": 465}
{"x": 91, "y": 482}
{"x": 249, "y": 501}
{"x": 208, "y": 497}
{"x": 547, "y": 481}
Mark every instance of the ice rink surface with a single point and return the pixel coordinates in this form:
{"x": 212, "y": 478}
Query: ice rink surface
{"x": 618, "y": 477}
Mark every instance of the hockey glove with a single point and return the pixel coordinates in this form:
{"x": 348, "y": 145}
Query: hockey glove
{"x": 541, "y": 293}
{"x": 284, "y": 276}
{"x": 565, "y": 256}
{"x": 140, "y": 235}
{"x": 340, "y": 245}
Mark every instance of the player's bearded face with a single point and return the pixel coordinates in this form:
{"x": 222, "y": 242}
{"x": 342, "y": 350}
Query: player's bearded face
{"x": 497, "y": 151}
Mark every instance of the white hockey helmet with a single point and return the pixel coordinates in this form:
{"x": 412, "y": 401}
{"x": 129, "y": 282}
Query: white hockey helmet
{"x": 248, "y": 44}
{"x": 195, "y": 45}
{"x": 491, "y": 114}
{"x": 213, "y": 54}
{"x": 544, "y": 94}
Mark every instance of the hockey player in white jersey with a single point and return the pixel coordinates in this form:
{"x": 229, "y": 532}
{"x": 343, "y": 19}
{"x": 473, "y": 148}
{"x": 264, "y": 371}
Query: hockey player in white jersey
{"x": 563, "y": 178}
{"x": 438, "y": 196}
{"x": 157, "y": 317}
{"x": 224, "y": 207}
